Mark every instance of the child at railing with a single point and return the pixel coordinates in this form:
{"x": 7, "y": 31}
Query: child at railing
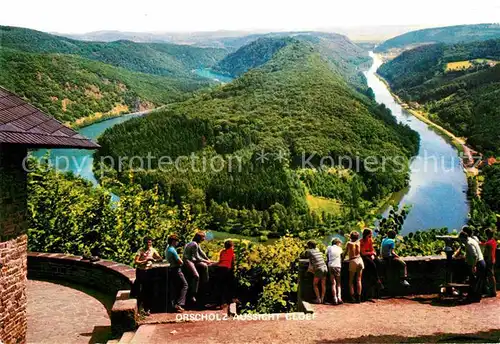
{"x": 318, "y": 267}
{"x": 334, "y": 262}
{"x": 388, "y": 246}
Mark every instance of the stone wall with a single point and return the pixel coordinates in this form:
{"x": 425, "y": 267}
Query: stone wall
{"x": 13, "y": 323}
{"x": 104, "y": 275}
{"x": 13, "y": 244}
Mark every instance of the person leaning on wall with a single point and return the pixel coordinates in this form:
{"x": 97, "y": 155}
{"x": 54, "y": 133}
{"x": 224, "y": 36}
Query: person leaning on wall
{"x": 197, "y": 263}
{"x": 476, "y": 266}
{"x": 144, "y": 262}
{"x": 178, "y": 285}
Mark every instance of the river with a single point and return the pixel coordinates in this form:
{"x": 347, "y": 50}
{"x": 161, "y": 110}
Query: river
{"x": 207, "y": 73}
{"x": 80, "y": 161}
{"x": 438, "y": 185}
{"x": 436, "y": 194}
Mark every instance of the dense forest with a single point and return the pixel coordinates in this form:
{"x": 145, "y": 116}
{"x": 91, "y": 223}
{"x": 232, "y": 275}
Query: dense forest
{"x": 152, "y": 58}
{"x": 491, "y": 187}
{"x": 456, "y": 84}
{"x": 448, "y": 35}
{"x": 72, "y": 79}
{"x": 294, "y": 105}
{"x": 344, "y": 57}
{"x": 251, "y": 56}
{"x": 70, "y": 87}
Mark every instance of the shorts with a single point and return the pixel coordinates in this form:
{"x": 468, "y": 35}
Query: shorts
{"x": 320, "y": 272}
{"x": 335, "y": 270}
{"x": 356, "y": 265}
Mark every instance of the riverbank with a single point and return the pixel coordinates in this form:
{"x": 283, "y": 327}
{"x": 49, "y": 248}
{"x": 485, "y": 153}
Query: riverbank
{"x": 94, "y": 119}
{"x": 458, "y": 142}
{"x": 437, "y": 185}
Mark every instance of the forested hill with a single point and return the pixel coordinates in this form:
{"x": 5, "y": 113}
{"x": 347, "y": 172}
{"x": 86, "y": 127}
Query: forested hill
{"x": 153, "y": 58}
{"x": 457, "y": 84}
{"x": 72, "y": 79}
{"x": 292, "y": 105}
{"x": 447, "y": 34}
{"x": 251, "y": 56}
{"x": 70, "y": 87}
{"x": 344, "y": 57}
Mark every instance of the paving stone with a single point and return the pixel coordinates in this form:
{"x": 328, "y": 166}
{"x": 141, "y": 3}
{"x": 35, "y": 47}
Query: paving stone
{"x": 73, "y": 315}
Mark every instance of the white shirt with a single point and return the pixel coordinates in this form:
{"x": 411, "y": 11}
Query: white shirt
{"x": 473, "y": 252}
{"x": 333, "y": 256}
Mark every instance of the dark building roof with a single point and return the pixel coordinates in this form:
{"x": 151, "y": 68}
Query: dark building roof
{"x": 22, "y": 123}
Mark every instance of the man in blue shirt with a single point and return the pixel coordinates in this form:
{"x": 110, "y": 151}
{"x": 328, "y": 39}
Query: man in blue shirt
{"x": 178, "y": 284}
{"x": 388, "y": 246}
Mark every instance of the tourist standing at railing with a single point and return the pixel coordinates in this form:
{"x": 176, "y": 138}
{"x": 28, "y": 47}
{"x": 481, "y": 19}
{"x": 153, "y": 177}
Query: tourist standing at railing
{"x": 334, "y": 263}
{"x": 195, "y": 259}
{"x": 318, "y": 267}
{"x": 388, "y": 247}
{"x": 370, "y": 261}
{"x": 356, "y": 266}
{"x": 178, "y": 284}
{"x": 490, "y": 252}
{"x": 477, "y": 266}
{"x": 144, "y": 262}
{"x": 224, "y": 273}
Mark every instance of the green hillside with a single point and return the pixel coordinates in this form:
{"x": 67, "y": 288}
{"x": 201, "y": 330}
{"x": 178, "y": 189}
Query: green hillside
{"x": 251, "y": 56}
{"x": 465, "y": 100}
{"x": 70, "y": 87}
{"x": 491, "y": 186}
{"x": 447, "y": 34}
{"x": 344, "y": 57}
{"x": 294, "y": 105}
{"x": 153, "y": 58}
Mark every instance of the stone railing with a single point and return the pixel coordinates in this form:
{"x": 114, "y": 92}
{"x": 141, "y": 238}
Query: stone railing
{"x": 109, "y": 277}
{"x": 425, "y": 274}
{"x": 104, "y": 275}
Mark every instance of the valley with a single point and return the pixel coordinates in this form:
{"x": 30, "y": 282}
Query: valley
{"x": 271, "y": 139}
{"x": 423, "y": 191}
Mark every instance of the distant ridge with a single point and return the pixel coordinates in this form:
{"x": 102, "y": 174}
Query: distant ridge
{"x": 344, "y": 57}
{"x": 217, "y": 38}
{"x": 164, "y": 59}
{"x": 447, "y": 34}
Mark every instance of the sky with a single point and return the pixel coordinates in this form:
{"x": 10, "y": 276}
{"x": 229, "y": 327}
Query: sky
{"x": 80, "y": 16}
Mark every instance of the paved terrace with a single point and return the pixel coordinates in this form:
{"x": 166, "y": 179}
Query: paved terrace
{"x": 61, "y": 314}
{"x": 392, "y": 320}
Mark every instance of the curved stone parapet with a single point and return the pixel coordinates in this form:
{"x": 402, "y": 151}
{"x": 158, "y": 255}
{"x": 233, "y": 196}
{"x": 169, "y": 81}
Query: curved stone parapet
{"x": 104, "y": 275}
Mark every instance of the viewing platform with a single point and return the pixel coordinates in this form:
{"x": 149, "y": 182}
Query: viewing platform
{"x": 80, "y": 297}
{"x": 414, "y": 319}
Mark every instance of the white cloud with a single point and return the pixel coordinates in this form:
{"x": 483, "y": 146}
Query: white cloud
{"x": 207, "y": 15}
